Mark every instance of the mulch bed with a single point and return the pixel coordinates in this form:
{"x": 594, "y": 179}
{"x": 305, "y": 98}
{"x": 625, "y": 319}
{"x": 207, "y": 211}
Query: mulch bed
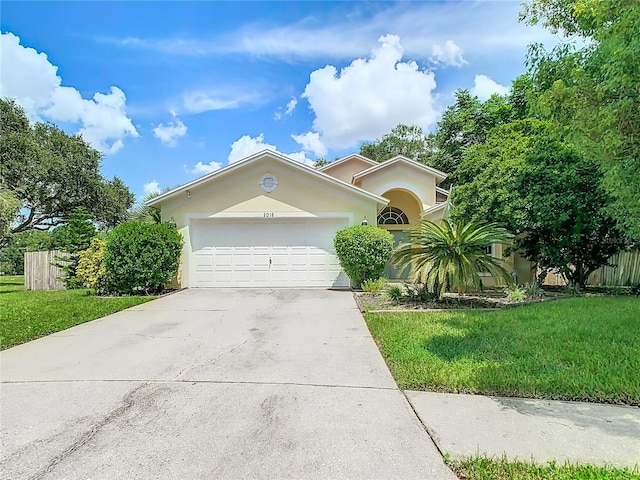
{"x": 380, "y": 302}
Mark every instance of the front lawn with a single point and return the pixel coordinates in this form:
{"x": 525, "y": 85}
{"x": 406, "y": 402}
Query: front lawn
{"x": 483, "y": 468}
{"x": 26, "y": 315}
{"x": 581, "y": 348}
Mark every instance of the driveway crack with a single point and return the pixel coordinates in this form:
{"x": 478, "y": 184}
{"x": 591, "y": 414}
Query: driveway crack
{"x": 127, "y": 403}
{"x": 210, "y": 362}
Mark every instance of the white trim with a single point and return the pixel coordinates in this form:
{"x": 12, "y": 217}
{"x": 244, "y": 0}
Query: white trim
{"x": 274, "y": 155}
{"x": 443, "y": 191}
{"x": 346, "y": 159}
{"x": 431, "y": 171}
{"x": 433, "y": 208}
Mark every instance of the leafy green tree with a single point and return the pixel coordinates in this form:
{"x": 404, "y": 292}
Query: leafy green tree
{"x": 544, "y": 191}
{"x": 590, "y": 87}
{"x": 464, "y": 124}
{"x": 51, "y": 174}
{"x": 452, "y": 255}
{"x": 9, "y": 206}
{"x": 12, "y": 255}
{"x": 405, "y": 140}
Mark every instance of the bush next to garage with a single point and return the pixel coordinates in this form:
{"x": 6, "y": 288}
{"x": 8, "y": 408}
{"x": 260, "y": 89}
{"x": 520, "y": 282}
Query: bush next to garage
{"x": 91, "y": 270}
{"x": 141, "y": 258}
{"x": 363, "y": 252}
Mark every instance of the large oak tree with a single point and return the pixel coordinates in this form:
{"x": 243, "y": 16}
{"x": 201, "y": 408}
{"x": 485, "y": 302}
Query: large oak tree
{"x": 49, "y": 174}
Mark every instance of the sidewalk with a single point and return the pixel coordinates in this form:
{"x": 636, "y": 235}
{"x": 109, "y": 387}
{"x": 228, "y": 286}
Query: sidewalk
{"x": 527, "y": 429}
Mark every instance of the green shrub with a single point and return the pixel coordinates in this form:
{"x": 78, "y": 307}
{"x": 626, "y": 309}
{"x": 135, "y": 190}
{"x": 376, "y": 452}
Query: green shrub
{"x": 373, "y": 286}
{"x": 363, "y": 251}
{"x": 91, "y": 270}
{"x": 394, "y": 293}
{"x": 141, "y": 258}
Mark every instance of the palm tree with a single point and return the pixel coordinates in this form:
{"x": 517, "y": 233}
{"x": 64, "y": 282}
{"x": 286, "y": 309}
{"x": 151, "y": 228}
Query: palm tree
{"x": 142, "y": 213}
{"x": 452, "y": 255}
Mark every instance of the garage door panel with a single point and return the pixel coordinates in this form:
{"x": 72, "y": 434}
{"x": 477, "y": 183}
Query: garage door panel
{"x": 256, "y": 253}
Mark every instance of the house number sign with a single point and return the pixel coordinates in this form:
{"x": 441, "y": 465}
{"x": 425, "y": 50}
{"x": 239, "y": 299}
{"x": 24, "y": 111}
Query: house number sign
{"x": 268, "y": 214}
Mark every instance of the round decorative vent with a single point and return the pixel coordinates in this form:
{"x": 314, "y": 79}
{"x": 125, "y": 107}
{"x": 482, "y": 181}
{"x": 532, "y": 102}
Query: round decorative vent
{"x": 268, "y": 182}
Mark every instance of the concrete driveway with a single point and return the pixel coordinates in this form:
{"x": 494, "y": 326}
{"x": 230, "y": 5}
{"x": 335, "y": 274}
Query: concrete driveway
{"x": 212, "y": 384}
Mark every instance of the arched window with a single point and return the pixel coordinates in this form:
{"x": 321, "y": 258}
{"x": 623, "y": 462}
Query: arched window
{"x": 392, "y": 216}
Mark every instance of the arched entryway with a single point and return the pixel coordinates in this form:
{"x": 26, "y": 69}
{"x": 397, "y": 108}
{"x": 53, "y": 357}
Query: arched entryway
{"x": 401, "y": 213}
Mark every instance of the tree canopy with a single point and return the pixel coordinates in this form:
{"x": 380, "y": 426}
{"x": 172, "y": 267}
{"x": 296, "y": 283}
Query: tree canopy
{"x": 590, "y": 87}
{"x": 50, "y": 174}
{"x": 545, "y": 191}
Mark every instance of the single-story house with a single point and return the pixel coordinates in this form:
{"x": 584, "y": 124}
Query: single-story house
{"x": 268, "y": 220}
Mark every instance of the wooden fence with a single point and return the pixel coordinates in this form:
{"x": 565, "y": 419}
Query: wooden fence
{"x": 40, "y": 271}
{"x": 625, "y": 271}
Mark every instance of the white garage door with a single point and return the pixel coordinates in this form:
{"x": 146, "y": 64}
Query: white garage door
{"x": 265, "y": 253}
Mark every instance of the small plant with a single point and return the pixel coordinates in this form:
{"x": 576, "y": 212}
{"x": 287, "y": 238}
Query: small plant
{"x": 533, "y": 290}
{"x": 394, "y": 293}
{"x": 418, "y": 292}
{"x": 373, "y": 286}
{"x": 515, "y": 294}
{"x": 572, "y": 289}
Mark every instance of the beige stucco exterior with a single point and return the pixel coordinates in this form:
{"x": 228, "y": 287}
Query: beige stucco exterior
{"x": 351, "y": 189}
{"x": 347, "y": 167}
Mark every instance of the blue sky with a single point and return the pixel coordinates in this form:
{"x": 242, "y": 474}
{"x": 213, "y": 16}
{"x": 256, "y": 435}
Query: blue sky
{"x": 170, "y": 91}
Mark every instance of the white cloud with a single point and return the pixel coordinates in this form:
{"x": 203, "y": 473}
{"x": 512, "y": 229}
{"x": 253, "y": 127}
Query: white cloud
{"x": 448, "y": 55}
{"x": 484, "y": 87}
{"x": 152, "y": 187}
{"x": 246, "y": 146}
{"x": 32, "y": 80}
{"x": 311, "y": 142}
{"x": 169, "y": 133}
{"x": 478, "y": 27}
{"x": 204, "y": 101}
{"x": 204, "y": 168}
{"x": 288, "y": 109}
{"x": 291, "y": 105}
{"x": 368, "y": 98}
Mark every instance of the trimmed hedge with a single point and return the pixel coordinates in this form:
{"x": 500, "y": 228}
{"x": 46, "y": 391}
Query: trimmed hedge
{"x": 363, "y": 251}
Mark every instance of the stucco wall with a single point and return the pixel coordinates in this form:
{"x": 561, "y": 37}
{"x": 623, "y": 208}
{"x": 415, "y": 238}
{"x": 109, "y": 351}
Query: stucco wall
{"x": 401, "y": 176}
{"x": 346, "y": 170}
{"x": 238, "y": 194}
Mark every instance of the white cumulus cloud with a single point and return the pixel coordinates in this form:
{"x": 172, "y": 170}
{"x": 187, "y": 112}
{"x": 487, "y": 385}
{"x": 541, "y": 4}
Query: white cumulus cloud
{"x": 204, "y": 168}
{"x": 32, "y": 80}
{"x": 311, "y": 142}
{"x": 484, "y": 87}
{"x": 169, "y": 133}
{"x": 152, "y": 187}
{"x": 246, "y": 146}
{"x": 368, "y": 98}
{"x": 448, "y": 54}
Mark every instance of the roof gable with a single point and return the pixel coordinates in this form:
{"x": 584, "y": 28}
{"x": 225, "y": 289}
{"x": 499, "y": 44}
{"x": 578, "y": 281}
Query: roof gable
{"x": 440, "y": 176}
{"x": 230, "y": 169}
{"x": 347, "y": 159}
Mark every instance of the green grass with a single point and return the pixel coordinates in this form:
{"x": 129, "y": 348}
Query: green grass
{"x": 583, "y": 348}
{"x": 26, "y": 315}
{"x": 484, "y": 468}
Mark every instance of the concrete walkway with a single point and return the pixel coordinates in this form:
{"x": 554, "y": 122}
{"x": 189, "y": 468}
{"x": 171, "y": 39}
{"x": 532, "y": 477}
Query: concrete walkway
{"x": 212, "y": 384}
{"x": 525, "y": 429}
